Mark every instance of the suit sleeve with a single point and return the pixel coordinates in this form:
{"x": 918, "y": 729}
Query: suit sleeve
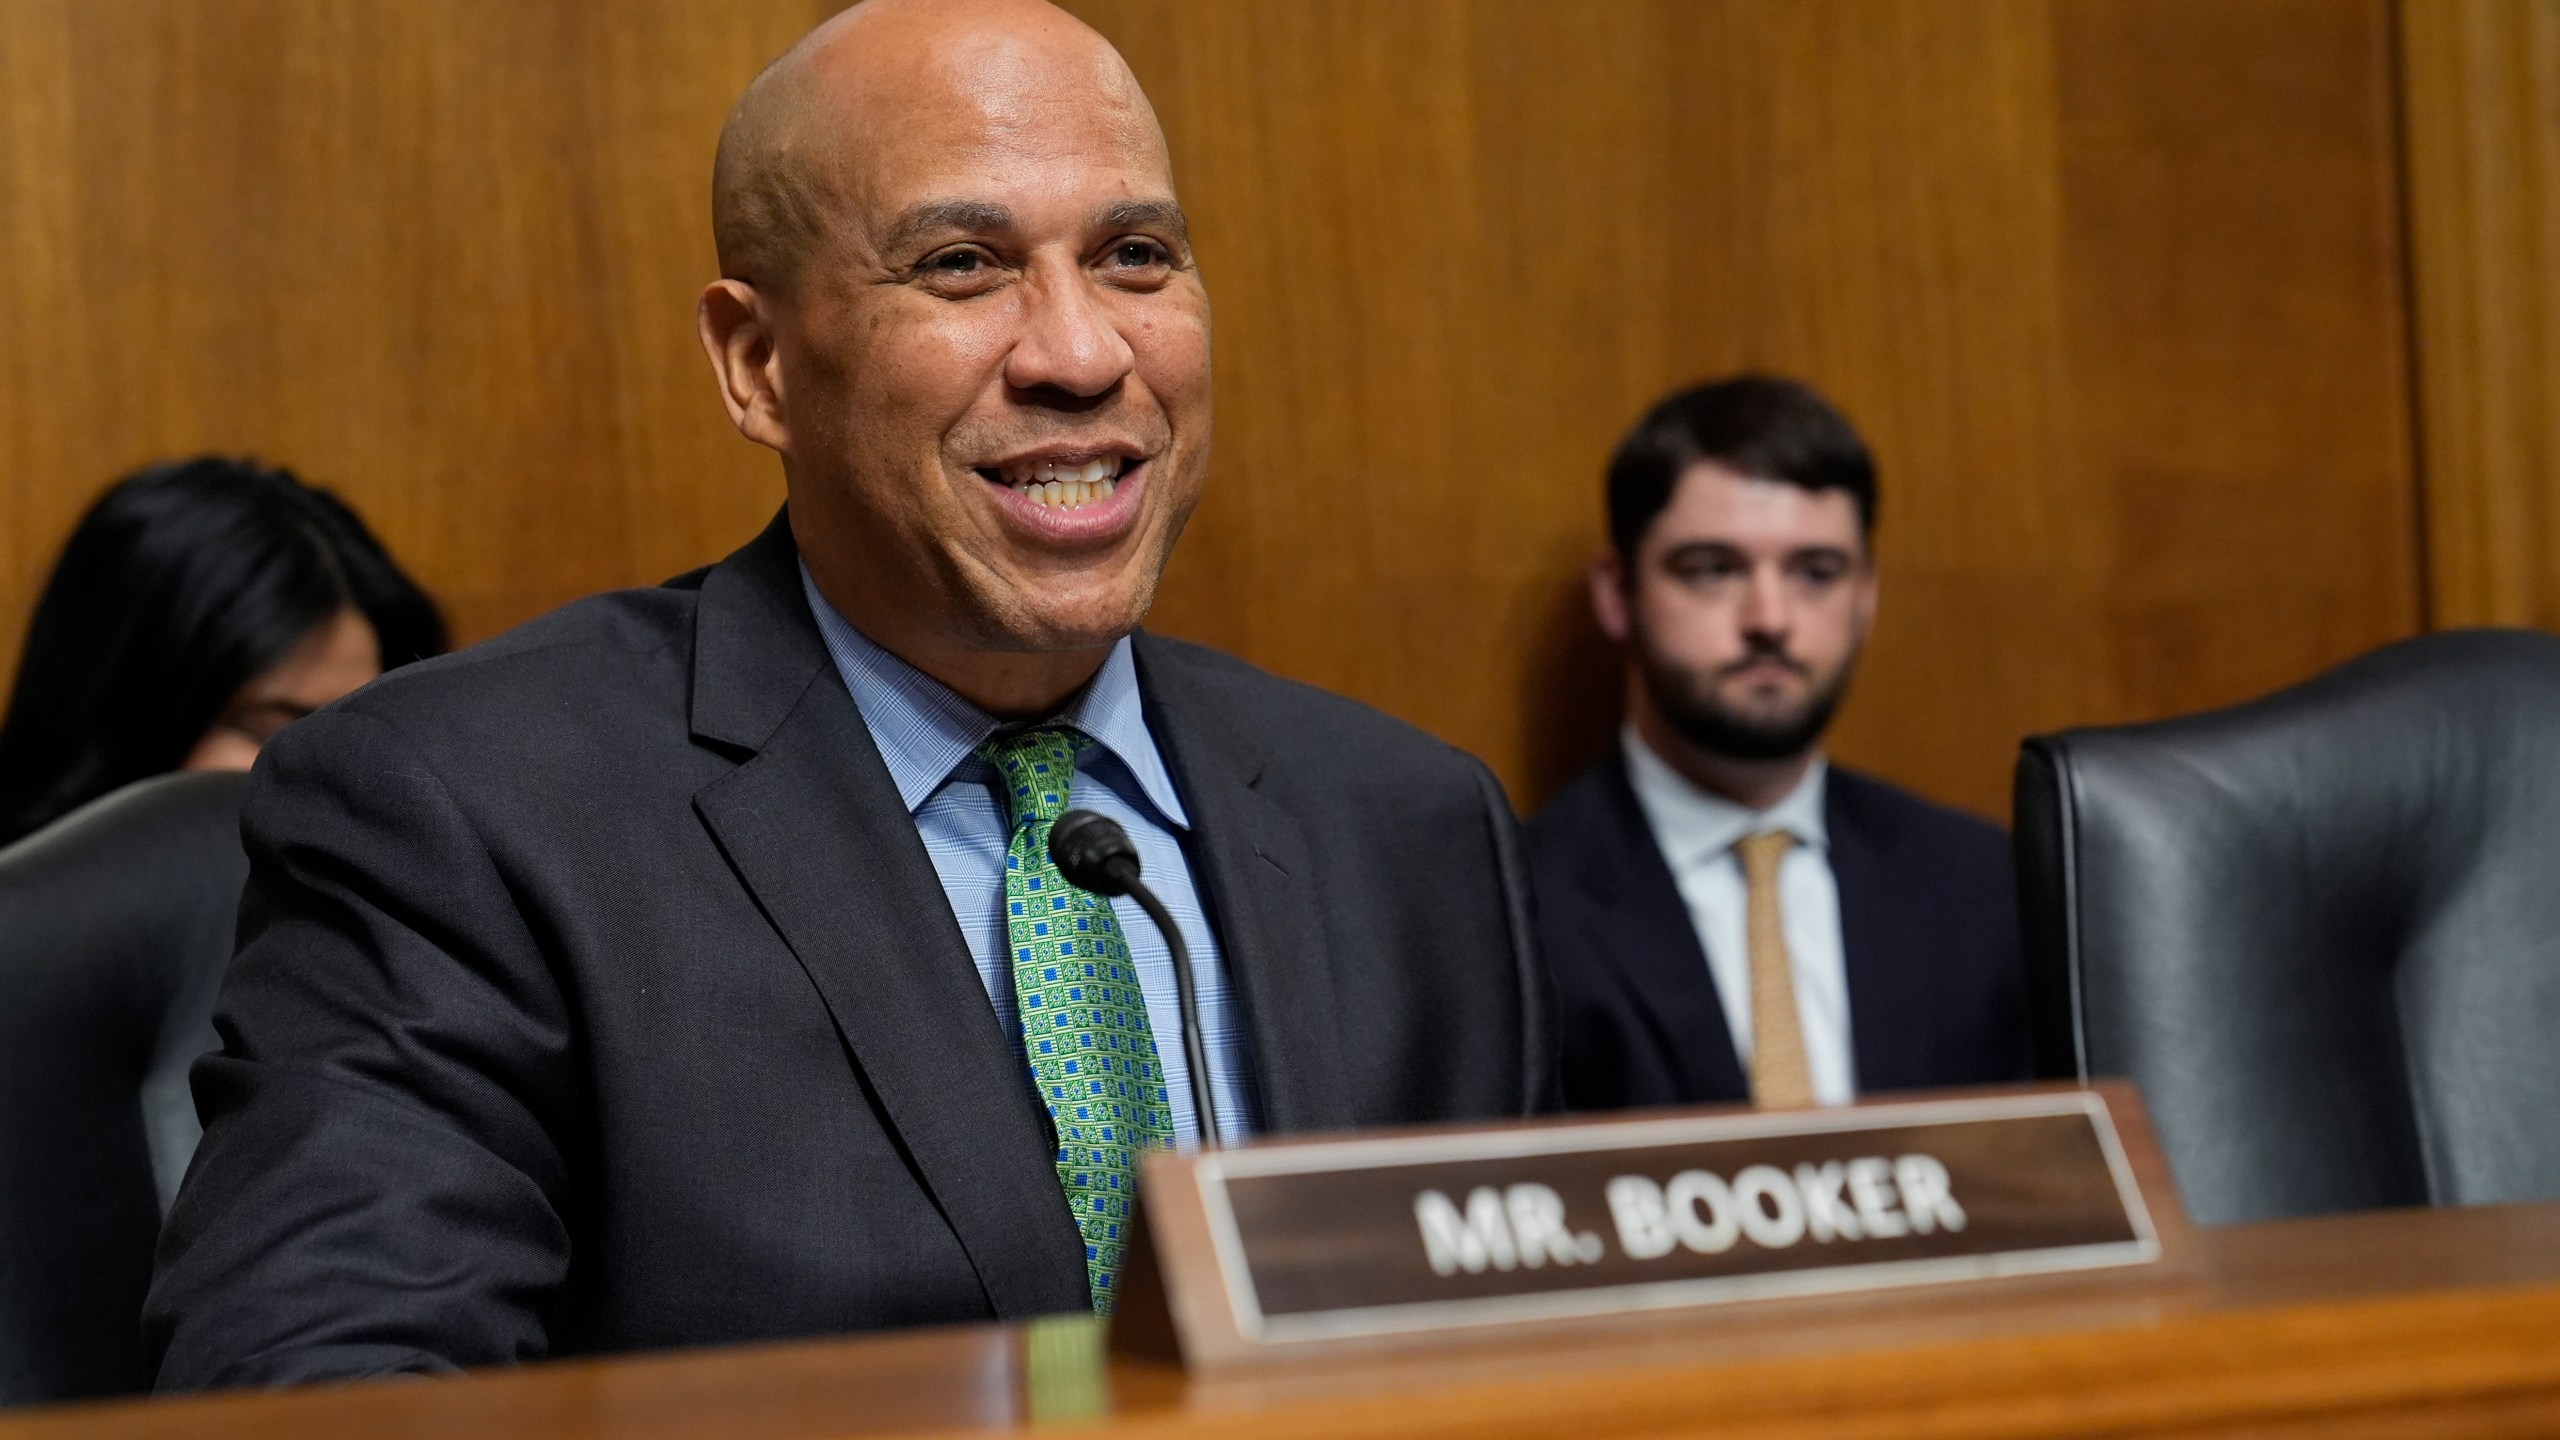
{"x": 2012, "y": 1056}
{"x": 1541, "y": 1085}
{"x": 381, "y": 1185}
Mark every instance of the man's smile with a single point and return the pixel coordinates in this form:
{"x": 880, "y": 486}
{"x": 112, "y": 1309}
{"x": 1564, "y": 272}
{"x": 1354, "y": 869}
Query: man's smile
{"x": 1068, "y": 481}
{"x": 1070, "y": 498}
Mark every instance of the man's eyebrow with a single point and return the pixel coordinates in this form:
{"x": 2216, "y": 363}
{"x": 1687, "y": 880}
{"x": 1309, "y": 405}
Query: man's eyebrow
{"x": 1161, "y": 215}
{"x": 937, "y": 216}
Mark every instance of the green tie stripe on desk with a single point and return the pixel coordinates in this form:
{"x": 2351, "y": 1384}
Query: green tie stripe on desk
{"x": 1083, "y": 1017}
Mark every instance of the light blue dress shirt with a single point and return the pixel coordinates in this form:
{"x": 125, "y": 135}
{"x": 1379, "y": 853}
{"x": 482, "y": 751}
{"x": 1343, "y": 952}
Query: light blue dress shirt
{"x": 929, "y": 737}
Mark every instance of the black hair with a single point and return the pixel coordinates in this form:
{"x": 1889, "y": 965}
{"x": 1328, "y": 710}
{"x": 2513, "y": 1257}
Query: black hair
{"x": 183, "y": 582}
{"x": 1762, "y": 426}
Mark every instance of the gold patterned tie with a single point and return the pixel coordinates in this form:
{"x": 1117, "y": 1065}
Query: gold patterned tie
{"x": 1780, "y": 1078}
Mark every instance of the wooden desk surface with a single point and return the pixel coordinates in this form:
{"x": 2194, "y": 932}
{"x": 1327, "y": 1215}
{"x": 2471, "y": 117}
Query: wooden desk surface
{"x": 2442, "y": 1323}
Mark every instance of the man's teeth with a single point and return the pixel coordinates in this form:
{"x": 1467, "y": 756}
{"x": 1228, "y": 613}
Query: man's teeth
{"x": 1049, "y": 483}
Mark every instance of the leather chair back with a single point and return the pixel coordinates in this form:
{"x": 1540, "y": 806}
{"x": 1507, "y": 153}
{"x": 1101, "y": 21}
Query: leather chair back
{"x": 2321, "y": 931}
{"x": 115, "y": 924}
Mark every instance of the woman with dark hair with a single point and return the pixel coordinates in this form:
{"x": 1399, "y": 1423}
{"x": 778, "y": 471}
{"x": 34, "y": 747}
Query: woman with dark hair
{"x": 199, "y": 606}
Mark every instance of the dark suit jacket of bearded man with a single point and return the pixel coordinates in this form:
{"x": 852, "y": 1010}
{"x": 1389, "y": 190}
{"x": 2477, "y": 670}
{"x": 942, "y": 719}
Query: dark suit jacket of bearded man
{"x": 597, "y": 993}
{"x": 1928, "y": 931}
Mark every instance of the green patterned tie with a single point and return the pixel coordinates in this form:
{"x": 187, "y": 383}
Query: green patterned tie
{"x": 1084, "y": 1020}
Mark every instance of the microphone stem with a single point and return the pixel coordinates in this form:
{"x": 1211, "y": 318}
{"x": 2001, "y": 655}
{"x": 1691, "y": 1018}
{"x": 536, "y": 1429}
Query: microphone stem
{"x": 1194, "y": 1048}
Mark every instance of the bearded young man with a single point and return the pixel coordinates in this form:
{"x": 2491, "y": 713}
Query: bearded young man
{"x": 688, "y": 967}
{"x": 1727, "y": 916}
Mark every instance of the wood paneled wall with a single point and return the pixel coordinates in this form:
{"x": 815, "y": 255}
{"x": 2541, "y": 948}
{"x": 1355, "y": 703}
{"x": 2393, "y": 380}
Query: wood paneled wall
{"x": 2113, "y": 286}
{"x": 438, "y": 254}
{"x": 2483, "y": 120}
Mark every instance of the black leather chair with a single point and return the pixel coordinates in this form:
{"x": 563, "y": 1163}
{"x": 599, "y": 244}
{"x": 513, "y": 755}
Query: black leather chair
{"x": 115, "y": 923}
{"x": 2320, "y": 931}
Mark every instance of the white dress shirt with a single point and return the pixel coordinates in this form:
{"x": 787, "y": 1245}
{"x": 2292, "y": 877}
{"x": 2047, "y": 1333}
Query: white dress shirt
{"x": 1697, "y": 832}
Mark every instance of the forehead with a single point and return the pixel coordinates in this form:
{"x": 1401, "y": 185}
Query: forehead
{"x": 1711, "y": 503}
{"x": 1005, "y": 122}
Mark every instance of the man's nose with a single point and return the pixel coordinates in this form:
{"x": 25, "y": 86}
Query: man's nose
{"x": 1069, "y": 342}
{"x": 1765, "y": 607}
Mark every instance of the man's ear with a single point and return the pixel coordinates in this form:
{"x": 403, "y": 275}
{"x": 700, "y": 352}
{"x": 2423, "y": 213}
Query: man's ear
{"x": 736, "y": 325}
{"x": 1609, "y": 594}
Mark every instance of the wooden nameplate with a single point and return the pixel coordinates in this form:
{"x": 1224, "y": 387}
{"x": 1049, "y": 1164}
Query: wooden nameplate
{"x": 1456, "y": 1235}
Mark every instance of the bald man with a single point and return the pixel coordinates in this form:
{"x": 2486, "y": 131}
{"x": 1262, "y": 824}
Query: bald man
{"x": 687, "y": 966}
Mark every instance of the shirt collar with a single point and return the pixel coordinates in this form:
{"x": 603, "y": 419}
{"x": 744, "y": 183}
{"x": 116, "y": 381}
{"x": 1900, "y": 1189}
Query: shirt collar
{"x": 925, "y": 732}
{"x": 1693, "y": 825}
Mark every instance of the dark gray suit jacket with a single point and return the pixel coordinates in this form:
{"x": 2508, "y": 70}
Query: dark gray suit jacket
{"x": 596, "y": 993}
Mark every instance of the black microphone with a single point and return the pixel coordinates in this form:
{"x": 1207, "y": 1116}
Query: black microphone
{"x": 1094, "y": 853}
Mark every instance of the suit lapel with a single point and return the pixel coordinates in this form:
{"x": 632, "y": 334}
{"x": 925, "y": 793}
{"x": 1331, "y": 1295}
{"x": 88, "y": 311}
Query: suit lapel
{"x": 814, "y": 828}
{"x": 1888, "y": 997}
{"x": 1251, "y": 861}
{"x": 1653, "y": 947}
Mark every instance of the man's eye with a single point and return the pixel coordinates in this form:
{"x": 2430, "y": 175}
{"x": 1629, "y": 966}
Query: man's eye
{"x": 1139, "y": 254}
{"x": 957, "y": 262}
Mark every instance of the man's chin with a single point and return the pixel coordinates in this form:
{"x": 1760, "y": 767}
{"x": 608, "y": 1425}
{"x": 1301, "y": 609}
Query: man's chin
{"x": 1755, "y": 733}
{"x": 1766, "y": 719}
{"x": 1036, "y": 622}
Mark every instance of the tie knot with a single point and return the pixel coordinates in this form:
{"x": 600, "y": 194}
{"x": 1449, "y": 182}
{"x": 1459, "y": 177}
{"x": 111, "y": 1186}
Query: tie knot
{"x": 1763, "y": 851}
{"x": 1039, "y": 768}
